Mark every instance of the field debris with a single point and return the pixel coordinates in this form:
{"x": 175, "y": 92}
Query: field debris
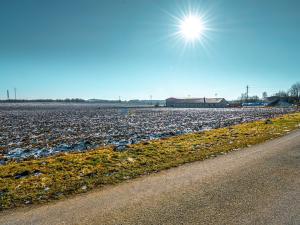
{"x": 41, "y": 130}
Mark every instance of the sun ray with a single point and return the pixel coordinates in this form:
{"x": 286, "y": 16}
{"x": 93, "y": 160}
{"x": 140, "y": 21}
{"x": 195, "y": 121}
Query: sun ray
{"x": 191, "y": 27}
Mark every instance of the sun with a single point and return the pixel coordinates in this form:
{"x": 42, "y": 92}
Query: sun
{"x": 191, "y": 27}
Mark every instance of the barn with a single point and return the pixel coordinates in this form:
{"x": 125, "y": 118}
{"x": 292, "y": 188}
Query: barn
{"x": 196, "y": 102}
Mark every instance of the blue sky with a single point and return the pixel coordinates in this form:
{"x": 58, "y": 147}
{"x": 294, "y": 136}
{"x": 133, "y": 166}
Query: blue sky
{"x": 106, "y": 49}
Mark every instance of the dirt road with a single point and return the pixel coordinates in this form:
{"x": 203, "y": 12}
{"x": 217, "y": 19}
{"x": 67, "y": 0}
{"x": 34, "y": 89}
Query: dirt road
{"x": 258, "y": 185}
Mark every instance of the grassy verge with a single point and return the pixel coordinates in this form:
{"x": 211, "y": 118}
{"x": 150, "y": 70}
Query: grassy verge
{"x": 41, "y": 180}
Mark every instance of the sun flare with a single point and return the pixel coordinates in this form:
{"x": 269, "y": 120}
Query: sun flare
{"x": 191, "y": 28}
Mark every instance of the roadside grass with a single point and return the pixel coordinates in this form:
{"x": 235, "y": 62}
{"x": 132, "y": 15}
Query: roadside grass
{"x": 42, "y": 180}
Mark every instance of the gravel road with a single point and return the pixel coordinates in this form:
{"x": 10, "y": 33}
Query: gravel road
{"x": 258, "y": 185}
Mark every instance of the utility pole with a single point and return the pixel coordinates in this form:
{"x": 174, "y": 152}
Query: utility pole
{"x": 150, "y": 99}
{"x": 7, "y": 94}
{"x": 15, "y": 93}
{"x": 247, "y": 93}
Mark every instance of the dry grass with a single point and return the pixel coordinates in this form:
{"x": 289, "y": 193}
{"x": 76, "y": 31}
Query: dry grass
{"x": 41, "y": 180}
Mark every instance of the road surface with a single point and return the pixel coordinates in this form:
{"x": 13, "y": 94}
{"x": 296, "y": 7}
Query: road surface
{"x": 258, "y": 185}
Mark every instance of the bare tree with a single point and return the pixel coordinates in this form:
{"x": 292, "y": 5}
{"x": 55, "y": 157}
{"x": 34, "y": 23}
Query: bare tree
{"x": 295, "y": 91}
{"x": 264, "y": 95}
{"x": 243, "y": 98}
{"x": 254, "y": 98}
{"x": 282, "y": 94}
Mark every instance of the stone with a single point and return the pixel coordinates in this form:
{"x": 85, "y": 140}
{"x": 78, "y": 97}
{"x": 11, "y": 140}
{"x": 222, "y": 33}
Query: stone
{"x": 129, "y": 159}
{"x": 120, "y": 148}
{"x": 46, "y": 189}
{"x": 24, "y": 174}
{"x": 268, "y": 121}
{"x": 84, "y": 188}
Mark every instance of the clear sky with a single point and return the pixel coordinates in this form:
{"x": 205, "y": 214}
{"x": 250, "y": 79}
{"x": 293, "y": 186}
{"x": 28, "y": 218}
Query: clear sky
{"x": 110, "y": 48}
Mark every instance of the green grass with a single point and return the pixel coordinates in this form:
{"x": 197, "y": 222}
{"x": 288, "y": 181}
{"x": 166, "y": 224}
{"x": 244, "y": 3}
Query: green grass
{"x": 65, "y": 174}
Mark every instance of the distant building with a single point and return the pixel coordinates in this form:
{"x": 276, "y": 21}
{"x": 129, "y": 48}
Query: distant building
{"x": 197, "y": 103}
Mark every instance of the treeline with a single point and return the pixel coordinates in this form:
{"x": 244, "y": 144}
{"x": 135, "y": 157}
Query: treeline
{"x": 294, "y": 91}
{"x": 79, "y": 100}
{"x": 292, "y": 95}
{"x": 44, "y": 100}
